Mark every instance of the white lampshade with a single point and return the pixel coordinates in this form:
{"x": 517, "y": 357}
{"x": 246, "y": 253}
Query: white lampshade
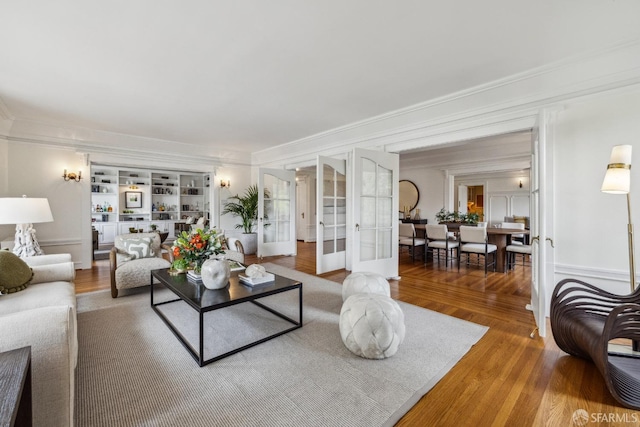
{"x": 24, "y": 210}
{"x": 617, "y": 180}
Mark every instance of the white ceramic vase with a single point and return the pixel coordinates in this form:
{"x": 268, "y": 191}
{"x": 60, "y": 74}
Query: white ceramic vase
{"x": 215, "y": 273}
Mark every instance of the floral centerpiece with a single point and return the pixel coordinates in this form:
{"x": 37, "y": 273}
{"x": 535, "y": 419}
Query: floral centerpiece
{"x": 197, "y": 246}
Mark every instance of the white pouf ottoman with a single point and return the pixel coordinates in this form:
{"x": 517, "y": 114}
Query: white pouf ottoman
{"x": 371, "y": 325}
{"x": 364, "y": 283}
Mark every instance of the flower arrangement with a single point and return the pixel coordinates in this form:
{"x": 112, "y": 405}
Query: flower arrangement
{"x": 196, "y": 247}
{"x": 455, "y": 216}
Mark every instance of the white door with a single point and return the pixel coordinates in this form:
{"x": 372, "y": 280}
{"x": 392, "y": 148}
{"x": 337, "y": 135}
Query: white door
{"x": 463, "y": 196}
{"x": 541, "y": 222}
{"x": 276, "y": 212}
{"x": 331, "y": 229}
{"x": 302, "y": 217}
{"x": 375, "y": 214}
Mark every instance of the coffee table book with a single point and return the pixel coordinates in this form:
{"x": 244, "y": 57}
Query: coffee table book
{"x": 253, "y": 281}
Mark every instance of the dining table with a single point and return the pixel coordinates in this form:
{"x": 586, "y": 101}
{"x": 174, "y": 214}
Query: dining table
{"x": 501, "y": 237}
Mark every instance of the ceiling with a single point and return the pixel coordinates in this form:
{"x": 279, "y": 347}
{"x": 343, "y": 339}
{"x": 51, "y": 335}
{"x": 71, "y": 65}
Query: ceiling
{"x": 253, "y": 74}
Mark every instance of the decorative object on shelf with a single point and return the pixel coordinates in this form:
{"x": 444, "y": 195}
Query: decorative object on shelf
{"x": 71, "y": 176}
{"x": 133, "y": 199}
{"x": 197, "y": 246}
{"x": 407, "y": 212}
{"x": 617, "y": 180}
{"x": 416, "y": 216}
{"x": 215, "y": 273}
{"x": 23, "y": 212}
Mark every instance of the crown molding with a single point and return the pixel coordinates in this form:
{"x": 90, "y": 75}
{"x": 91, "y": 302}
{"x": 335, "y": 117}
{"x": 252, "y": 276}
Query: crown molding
{"x": 506, "y": 105}
{"x": 113, "y": 147}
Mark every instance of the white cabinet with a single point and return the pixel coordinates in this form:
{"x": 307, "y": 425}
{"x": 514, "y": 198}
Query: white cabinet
{"x": 163, "y": 226}
{"x": 106, "y": 232}
{"x": 125, "y": 226}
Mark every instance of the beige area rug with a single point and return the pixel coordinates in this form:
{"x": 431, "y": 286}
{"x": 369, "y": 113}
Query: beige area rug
{"x": 132, "y": 371}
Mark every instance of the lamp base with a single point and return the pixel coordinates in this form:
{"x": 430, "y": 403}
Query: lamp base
{"x": 26, "y": 244}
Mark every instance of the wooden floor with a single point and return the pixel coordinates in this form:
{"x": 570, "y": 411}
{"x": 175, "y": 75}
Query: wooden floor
{"x": 507, "y": 378}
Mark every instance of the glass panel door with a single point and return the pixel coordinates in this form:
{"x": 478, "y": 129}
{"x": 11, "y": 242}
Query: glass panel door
{"x": 276, "y": 212}
{"x": 331, "y": 213}
{"x": 375, "y": 246}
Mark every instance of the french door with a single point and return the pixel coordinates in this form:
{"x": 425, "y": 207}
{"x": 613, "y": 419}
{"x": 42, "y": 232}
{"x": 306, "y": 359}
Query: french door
{"x": 541, "y": 221}
{"x": 276, "y": 212}
{"x": 331, "y": 214}
{"x": 374, "y": 202}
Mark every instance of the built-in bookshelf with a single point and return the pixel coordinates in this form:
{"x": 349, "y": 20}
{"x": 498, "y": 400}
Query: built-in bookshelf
{"x": 142, "y": 199}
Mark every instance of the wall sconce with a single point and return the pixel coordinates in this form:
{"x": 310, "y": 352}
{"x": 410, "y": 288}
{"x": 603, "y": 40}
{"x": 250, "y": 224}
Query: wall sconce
{"x": 520, "y": 185}
{"x": 225, "y": 184}
{"x": 133, "y": 187}
{"x": 71, "y": 176}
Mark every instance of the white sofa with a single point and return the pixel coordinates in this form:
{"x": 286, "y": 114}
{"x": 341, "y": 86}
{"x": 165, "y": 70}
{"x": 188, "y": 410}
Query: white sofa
{"x": 43, "y": 316}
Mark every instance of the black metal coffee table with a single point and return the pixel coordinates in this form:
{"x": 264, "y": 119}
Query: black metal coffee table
{"x": 204, "y": 300}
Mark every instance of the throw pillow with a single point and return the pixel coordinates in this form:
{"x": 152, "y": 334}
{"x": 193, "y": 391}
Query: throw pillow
{"x": 139, "y": 248}
{"x": 15, "y": 274}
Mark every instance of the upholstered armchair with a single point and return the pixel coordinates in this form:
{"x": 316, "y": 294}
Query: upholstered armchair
{"x": 132, "y": 258}
{"x": 235, "y": 250}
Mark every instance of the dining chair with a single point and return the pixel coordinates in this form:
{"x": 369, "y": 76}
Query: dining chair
{"x": 516, "y": 239}
{"x": 407, "y": 237}
{"x": 473, "y": 240}
{"x": 513, "y": 250}
{"x": 438, "y": 239}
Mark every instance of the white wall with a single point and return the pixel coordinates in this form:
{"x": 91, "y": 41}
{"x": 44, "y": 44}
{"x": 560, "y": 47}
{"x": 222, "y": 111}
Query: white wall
{"x": 36, "y": 171}
{"x": 431, "y": 185}
{"x": 502, "y": 195}
{"x": 591, "y": 226}
{"x": 241, "y": 178}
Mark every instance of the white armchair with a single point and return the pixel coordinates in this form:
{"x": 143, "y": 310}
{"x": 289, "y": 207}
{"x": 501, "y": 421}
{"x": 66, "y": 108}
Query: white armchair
{"x": 132, "y": 258}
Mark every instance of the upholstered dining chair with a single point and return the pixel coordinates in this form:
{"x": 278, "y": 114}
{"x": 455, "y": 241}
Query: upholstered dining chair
{"x": 132, "y": 258}
{"x": 516, "y": 239}
{"x": 438, "y": 239}
{"x": 515, "y": 249}
{"x": 473, "y": 240}
{"x": 407, "y": 237}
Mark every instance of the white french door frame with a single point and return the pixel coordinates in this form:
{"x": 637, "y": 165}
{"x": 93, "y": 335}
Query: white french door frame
{"x": 280, "y": 237}
{"x": 376, "y": 260}
{"x": 329, "y": 224}
{"x": 541, "y": 224}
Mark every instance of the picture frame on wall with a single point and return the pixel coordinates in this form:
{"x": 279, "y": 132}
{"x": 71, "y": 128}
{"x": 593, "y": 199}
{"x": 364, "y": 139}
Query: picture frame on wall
{"x": 133, "y": 199}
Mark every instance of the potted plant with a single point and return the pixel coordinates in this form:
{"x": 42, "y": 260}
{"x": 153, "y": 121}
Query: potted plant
{"x": 245, "y": 207}
{"x": 443, "y": 216}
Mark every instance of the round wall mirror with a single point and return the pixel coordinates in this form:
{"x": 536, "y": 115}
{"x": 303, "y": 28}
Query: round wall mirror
{"x": 409, "y": 195}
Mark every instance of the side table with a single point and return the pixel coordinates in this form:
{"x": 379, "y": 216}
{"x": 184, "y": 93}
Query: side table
{"x": 15, "y": 388}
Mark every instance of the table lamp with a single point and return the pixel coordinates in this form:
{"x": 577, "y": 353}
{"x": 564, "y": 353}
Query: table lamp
{"x": 23, "y": 212}
{"x": 617, "y": 180}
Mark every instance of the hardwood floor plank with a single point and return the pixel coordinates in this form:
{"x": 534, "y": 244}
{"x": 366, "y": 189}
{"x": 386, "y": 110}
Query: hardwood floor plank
{"x": 506, "y": 379}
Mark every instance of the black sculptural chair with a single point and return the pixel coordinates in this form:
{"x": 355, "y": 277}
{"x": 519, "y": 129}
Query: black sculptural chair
{"x": 585, "y": 318}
